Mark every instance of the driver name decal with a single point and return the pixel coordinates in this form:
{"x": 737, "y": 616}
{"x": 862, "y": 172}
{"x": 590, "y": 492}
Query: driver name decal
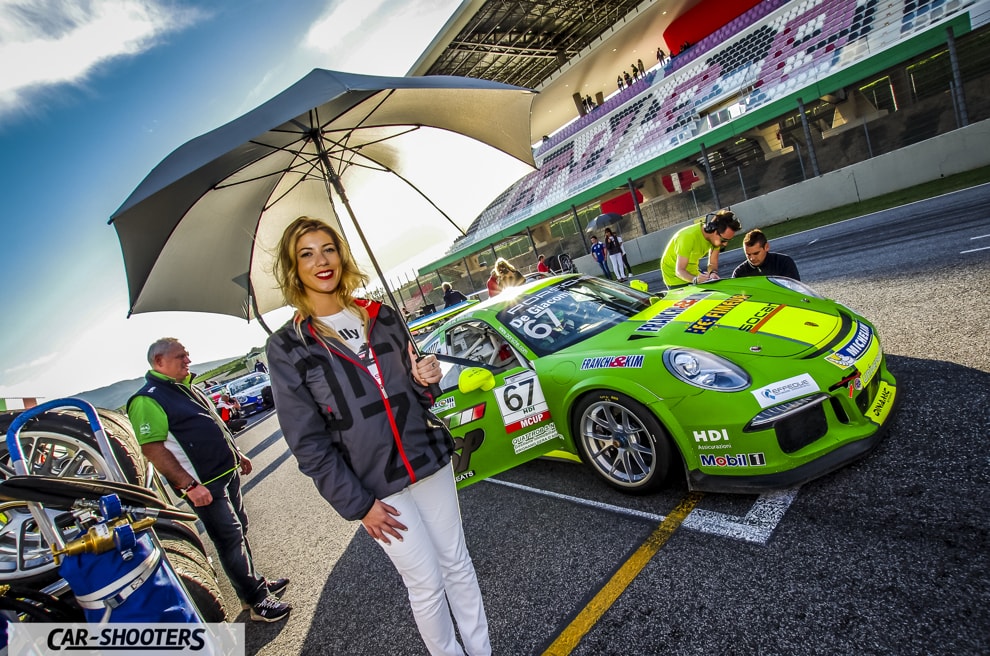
{"x": 614, "y": 361}
{"x": 710, "y": 318}
{"x": 521, "y": 402}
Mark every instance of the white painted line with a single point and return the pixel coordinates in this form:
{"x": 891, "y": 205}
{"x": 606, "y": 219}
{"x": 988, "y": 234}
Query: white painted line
{"x": 974, "y": 250}
{"x": 756, "y": 526}
{"x": 979, "y": 237}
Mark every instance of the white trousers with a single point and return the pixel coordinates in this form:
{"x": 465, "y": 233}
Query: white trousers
{"x": 617, "y": 268}
{"x": 435, "y": 565}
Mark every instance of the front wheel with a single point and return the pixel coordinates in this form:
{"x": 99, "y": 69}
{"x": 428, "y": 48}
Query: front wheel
{"x": 622, "y": 442}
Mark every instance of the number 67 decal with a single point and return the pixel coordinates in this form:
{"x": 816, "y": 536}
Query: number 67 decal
{"x": 521, "y": 402}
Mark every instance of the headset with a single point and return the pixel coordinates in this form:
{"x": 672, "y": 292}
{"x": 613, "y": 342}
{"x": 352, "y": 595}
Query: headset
{"x": 713, "y": 220}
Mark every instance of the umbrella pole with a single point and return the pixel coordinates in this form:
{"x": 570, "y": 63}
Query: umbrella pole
{"x": 254, "y": 306}
{"x": 332, "y": 178}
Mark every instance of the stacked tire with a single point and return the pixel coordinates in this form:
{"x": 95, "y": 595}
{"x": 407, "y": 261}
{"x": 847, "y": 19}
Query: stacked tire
{"x": 61, "y": 444}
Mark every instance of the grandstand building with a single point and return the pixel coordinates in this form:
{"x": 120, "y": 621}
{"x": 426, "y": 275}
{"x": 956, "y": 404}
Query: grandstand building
{"x": 777, "y": 108}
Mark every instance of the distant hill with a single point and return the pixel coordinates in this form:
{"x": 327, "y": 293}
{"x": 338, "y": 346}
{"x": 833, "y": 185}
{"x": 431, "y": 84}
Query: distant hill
{"x": 115, "y": 395}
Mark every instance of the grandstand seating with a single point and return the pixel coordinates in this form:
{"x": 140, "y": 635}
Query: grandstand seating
{"x": 774, "y": 50}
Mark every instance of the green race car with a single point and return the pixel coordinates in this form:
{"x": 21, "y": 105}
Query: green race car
{"x": 745, "y": 385}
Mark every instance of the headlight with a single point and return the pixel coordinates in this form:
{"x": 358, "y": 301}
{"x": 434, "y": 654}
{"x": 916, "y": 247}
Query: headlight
{"x": 705, "y": 370}
{"x": 241, "y": 398}
{"x": 795, "y": 286}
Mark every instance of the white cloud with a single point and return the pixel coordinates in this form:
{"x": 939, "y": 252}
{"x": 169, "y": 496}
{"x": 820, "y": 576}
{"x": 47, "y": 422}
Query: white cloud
{"x": 18, "y": 370}
{"x": 373, "y": 46}
{"x": 108, "y": 348}
{"x": 46, "y": 43}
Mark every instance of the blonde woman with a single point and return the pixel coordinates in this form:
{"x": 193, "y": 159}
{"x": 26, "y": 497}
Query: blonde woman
{"x": 353, "y": 402}
{"x": 508, "y": 275}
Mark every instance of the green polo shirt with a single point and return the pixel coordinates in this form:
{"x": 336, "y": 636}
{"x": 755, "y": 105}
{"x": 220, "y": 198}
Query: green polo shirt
{"x": 688, "y": 242}
{"x": 147, "y": 417}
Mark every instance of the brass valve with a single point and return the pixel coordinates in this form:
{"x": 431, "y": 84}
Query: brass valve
{"x": 100, "y": 538}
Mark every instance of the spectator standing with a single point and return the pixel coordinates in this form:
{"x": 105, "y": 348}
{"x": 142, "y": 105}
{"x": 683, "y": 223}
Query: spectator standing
{"x": 628, "y": 80}
{"x": 680, "y": 261}
{"x": 451, "y": 296}
{"x": 492, "y": 284}
{"x": 661, "y": 55}
{"x": 541, "y": 264}
{"x": 181, "y": 434}
{"x": 613, "y": 246}
{"x": 598, "y": 251}
{"x": 761, "y": 262}
{"x": 639, "y": 65}
{"x": 260, "y": 367}
{"x": 619, "y": 83}
{"x": 353, "y": 401}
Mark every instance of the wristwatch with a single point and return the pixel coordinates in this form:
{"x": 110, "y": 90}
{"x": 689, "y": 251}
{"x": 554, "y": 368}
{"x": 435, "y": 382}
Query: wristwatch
{"x": 189, "y": 487}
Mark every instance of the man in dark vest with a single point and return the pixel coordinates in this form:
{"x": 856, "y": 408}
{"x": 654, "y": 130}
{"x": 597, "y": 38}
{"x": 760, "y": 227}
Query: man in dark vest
{"x": 183, "y": 437}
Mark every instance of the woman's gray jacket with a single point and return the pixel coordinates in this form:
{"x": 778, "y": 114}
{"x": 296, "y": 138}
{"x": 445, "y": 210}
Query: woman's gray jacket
{"x": 357, "y": 442}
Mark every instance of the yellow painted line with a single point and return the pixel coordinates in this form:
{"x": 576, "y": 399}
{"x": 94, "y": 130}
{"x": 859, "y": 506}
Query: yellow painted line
{"x": 589, "y": 616}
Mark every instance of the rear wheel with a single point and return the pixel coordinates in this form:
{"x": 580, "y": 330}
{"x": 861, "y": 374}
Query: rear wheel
{"x": 622, "y": 442}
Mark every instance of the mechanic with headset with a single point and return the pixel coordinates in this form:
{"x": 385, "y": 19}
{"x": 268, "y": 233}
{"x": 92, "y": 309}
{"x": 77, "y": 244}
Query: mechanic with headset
{"x": 680, "y": 261}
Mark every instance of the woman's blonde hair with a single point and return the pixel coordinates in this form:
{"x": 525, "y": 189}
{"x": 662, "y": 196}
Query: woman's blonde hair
{"x": 502, "y": 266}
{"x": 286, "y": 274}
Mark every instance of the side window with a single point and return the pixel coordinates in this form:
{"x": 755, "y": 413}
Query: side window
{"x": 479, "y": 343}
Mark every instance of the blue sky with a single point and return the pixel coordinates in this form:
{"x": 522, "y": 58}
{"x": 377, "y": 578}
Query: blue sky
{"x": 92, "y": 96}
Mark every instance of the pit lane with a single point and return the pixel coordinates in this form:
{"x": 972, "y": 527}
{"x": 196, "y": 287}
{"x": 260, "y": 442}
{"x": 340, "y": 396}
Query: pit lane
{"x": 886, "y": 556}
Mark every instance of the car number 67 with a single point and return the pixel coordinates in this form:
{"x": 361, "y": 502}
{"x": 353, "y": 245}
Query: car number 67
{"x": 536, "y": 329}
{"x": 515, "y": 401}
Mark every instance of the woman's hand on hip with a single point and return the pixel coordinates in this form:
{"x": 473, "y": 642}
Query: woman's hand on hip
{"x": 380, "y": 522}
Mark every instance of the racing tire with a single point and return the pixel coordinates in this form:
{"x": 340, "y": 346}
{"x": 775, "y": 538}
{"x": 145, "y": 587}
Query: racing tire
{"x": 69, "y": 438}
{"x": 198, "y": 576}
{"x": 622, "y": 442}
{"x": 59, "y": 443}
{"x": 267, "y": 398}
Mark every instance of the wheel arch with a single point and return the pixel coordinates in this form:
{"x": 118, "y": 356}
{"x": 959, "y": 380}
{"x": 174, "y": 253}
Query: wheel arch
{"x": 655, "y": 405}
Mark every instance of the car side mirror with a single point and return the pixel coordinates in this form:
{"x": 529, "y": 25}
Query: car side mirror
{"x": 475, "y": 378}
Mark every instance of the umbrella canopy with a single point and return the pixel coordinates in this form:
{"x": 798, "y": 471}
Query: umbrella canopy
{"x": 407, "y": 157}
{"x": 603, "y": 221}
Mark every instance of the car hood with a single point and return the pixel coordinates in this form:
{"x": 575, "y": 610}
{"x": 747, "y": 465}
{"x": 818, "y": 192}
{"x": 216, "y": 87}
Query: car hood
{"x": 737, "y": 319}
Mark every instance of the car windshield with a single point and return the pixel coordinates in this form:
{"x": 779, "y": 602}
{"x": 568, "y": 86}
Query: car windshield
{"x": 571, "y": 311}
{"x": 248, "y": 382}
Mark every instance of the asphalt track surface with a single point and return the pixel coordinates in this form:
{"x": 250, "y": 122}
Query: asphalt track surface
{"x": 886, "y": 556}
